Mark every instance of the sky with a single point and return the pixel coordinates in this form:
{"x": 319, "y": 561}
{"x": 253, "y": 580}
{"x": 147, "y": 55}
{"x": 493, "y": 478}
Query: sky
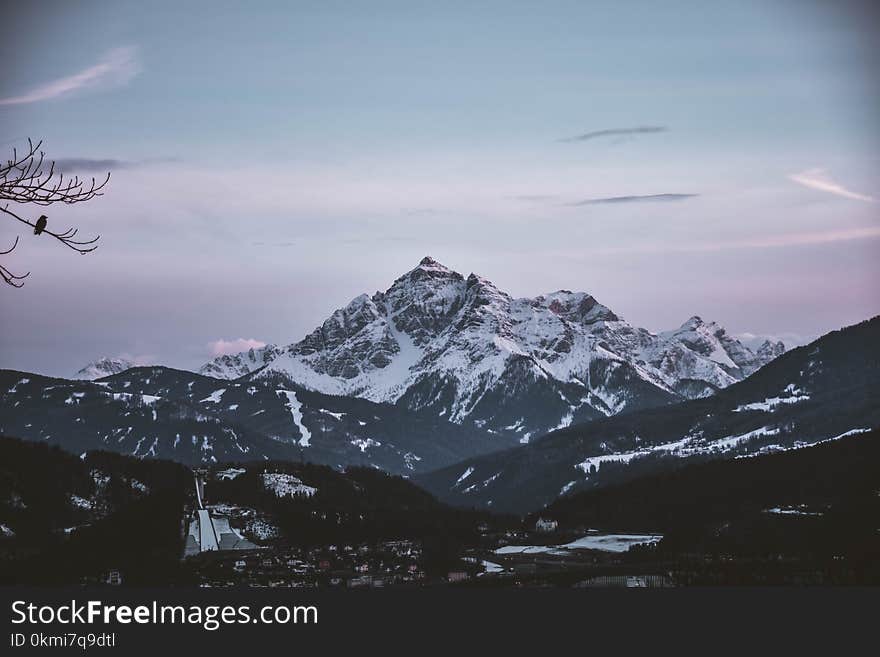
{"x": 272, "y": 160}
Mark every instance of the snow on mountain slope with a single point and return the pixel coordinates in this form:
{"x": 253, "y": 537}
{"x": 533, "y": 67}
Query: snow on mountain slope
{"x": 824, "y": 391}
{"x": 713, "y": 342}
{"x": 237, "y": 365}
{"x": 103, "y": 367}
{"x": 464, "y": 349}
{"x": 770, "y": 351}
{"x": 158, "y": 412}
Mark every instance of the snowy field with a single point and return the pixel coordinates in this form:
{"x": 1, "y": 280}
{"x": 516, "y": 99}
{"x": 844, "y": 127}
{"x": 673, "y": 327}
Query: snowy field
{"x": 602, "y": 542}
{"x": 612, "y": 542}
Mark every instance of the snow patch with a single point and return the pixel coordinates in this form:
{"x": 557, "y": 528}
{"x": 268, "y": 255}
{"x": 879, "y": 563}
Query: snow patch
{"x": 771, "y": 403}
{"x": 80, "y": 502}
{"x": 296, "y": 411}
{"x": 214, "y": 397}
{"x": 286, "y": 485}
{"x": 230, "y": 473}
{"x": 687, "y": 446}
{"x": 801, "y": 510}
{"x": 601, "y": 542}
{"x": 467, "y": 473}
{"x": 363, "y": 443}
{"x": 262, "y": 529}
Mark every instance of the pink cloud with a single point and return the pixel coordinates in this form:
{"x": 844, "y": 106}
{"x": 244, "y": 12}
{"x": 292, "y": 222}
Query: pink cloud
{"x": 140, "y": 360}
{"x": 816, "y": 179}
{"x": 223, "y": 347}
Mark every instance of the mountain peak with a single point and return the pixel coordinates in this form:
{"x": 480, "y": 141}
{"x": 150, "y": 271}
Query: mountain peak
{"x": 458, "y": 344}
{"x": 427, "y": 269}
{"x": 357, "y": 303}
{"x": 232, "y": 366}
{"x": 712, "y": 341}
{"x": 699, "y": 325}
{"x": 479, "y": 285}
{"x": 770, "y": 350}
{"x": 577, "y": 306}
{"x": 428, "y": 263}
{"x": 103, "y": 367}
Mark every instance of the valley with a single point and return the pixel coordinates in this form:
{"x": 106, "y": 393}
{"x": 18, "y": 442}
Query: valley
{"x": 444, "y": 433}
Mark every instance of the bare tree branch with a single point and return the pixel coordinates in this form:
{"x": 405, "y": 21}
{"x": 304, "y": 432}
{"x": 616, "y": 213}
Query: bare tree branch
{"x": 11, "y": 248}
{"x": 65, "y": 238}
{"x": 25, "y": 179}
{"x": 8, "y": 277}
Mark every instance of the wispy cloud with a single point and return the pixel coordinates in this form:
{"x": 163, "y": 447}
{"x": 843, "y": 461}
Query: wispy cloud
{"x": 86, "y": 164}
{"x": 105, "y": 164}
{"x": 117, "y": 67}
{"x": 532, "y": 198}
{"x": 762, "y": 242}
{"x": 223, "y": 347}
{"x": 644, "y": 198}
{"x": 419, "y": 212}
{"x": 818, "y": 180}
{"x": 616, "y": 132}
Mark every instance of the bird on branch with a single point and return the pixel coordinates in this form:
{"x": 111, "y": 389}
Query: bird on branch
{"x": 27, "y": 177}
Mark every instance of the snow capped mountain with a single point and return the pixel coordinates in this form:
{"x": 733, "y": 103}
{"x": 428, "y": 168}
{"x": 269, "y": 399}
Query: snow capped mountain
{"x": 713, "y": 342}
{"x": 103, "y": 367}
{"x": 237, "y": 365}
{"x": 822, "y": 392}
{"x": 464, "y": 349}
{"x": 770, "y": 351}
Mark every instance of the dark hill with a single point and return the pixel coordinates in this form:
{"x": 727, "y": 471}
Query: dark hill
{"x": 823, "y": 390}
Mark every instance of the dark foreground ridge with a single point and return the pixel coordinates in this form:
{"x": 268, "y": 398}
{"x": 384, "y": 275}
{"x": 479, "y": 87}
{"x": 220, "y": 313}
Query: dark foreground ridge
{"x": 825, "y": 390}
{"x": 802, "y": 517}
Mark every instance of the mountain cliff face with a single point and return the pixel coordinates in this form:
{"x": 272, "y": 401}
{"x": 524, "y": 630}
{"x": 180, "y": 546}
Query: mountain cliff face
{"x": 463, "y": 349}
{"x": 103, "y": 367}
{"x": 770, "y": 351}
{"x": 237, "y": 365}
